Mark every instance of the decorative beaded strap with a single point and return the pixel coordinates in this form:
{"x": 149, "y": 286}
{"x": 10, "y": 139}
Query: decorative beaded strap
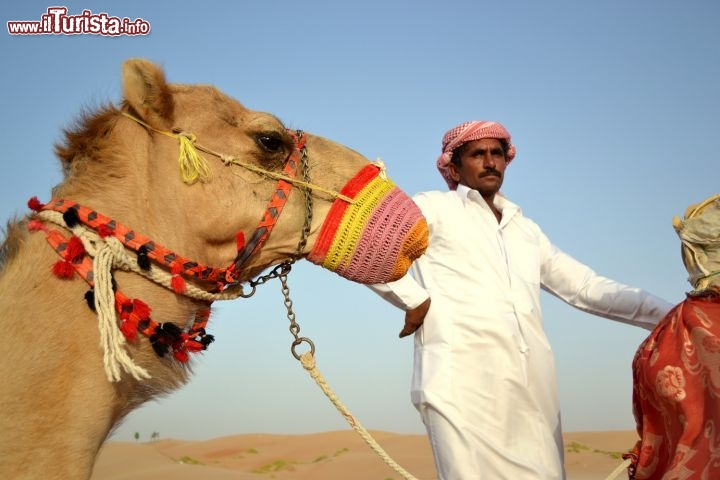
{"x": 133, "y": 314}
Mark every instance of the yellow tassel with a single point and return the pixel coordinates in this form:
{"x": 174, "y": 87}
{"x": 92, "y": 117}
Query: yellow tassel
{"x": 193, "y": 166}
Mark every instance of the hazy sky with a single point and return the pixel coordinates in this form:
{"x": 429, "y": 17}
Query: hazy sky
{"x": 613, "y": 107}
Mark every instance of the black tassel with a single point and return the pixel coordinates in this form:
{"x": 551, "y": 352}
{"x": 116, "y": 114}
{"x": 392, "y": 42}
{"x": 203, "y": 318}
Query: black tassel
{"x": 142, "y": 258}
{"x": 160, "y": 348}
{"x": 170, "y": 331}
{"x": 71, "y": 217}
{"x": 90, "y": 299}
{"x": 166, "y": 334}
{"x": 207, "y": 340}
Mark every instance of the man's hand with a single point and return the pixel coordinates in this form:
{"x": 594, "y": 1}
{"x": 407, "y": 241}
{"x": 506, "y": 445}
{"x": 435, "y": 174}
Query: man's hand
{"x": 414, "y": 318}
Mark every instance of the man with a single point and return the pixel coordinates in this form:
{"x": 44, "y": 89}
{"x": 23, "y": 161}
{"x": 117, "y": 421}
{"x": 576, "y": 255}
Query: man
{"x": 484, "y": 379}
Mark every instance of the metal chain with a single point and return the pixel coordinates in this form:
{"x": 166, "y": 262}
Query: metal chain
{"x": 294, "y": 327}
{"x": 307, "y": 194}
{"x": 274, "y": 273}
{"x": 282, "y": 270}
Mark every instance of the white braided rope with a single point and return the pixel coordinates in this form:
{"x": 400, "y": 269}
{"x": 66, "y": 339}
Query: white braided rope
{"x": 110, "y": 254}
{"x": 112, "y": 341}
{"x": 619, "y": 470}
{"x": 308, "y": 362}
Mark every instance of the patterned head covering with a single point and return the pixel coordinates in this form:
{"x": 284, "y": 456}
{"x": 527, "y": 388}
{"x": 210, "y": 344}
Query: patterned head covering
{"x": 466, "y": 132}
{"x": 699, "y": 233}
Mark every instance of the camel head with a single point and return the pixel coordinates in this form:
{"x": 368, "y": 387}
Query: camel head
{"x": 226, "y": 186}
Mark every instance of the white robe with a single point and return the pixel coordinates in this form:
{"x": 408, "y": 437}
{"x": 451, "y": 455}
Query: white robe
{"x": 484, "y": 378}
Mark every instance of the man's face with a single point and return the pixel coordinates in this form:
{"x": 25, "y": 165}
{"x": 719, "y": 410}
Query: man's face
{"x": 482, "y": 166}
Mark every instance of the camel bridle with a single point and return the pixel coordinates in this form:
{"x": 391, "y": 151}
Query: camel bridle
{"x": 99, "y": 245}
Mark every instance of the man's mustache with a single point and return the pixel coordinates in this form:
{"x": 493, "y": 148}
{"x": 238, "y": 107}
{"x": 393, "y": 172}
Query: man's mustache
{"x": 490, "y": 172}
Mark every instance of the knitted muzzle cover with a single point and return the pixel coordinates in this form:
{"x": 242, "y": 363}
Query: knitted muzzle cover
{"x": 374, "y": 239}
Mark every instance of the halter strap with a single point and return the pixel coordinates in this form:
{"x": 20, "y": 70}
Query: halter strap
{"x": 224, "y": 277}
{"x": 271, "y": 213}
{"x": 132, "y": 240}
{"x": 133, "y": 314}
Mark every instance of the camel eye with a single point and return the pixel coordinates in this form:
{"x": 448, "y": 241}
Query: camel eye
{"x": 271, "y": 143}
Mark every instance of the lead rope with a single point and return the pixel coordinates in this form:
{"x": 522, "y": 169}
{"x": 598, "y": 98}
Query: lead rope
{"x": 307, "y": 360}
{"x": 616, "y": 473}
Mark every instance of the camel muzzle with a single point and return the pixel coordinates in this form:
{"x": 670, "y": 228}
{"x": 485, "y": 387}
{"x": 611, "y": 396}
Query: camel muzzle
{"x": 376, "y": 238}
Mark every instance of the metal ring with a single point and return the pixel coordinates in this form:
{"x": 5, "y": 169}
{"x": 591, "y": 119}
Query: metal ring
{"x": 248, "y": 295}
{"x": 297, "y": 342}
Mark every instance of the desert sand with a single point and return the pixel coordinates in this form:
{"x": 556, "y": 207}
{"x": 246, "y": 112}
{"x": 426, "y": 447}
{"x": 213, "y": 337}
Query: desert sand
{"x": 323, "y": 456}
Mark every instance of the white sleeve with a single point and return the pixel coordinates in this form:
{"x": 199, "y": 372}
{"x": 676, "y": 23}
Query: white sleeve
{"x": 404, "y": 293}
{"x": 579, "y": 286}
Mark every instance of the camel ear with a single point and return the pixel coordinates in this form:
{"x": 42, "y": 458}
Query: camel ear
{"x": 146, "y": 91}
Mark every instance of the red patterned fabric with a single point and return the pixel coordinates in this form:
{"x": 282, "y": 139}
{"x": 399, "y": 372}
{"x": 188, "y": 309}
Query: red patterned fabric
{"x": 676, "y": 394}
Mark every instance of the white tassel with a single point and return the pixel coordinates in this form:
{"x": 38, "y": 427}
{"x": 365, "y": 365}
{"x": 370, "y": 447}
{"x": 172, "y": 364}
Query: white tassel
{"x": 112, "y": 341}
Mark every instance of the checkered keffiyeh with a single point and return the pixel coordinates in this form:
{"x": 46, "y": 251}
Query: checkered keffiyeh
{"x": 466, "y": 132}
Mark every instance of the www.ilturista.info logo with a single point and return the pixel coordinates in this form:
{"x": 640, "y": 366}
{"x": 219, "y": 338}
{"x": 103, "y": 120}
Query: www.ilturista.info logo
{"x": 57, "y": 22}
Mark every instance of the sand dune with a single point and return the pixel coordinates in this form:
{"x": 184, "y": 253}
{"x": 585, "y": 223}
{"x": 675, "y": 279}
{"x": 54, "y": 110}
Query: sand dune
{"x": 322, "y": 456}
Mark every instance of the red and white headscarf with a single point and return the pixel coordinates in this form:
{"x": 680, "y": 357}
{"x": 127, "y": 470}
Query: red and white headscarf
{"x": 466, "y": 132}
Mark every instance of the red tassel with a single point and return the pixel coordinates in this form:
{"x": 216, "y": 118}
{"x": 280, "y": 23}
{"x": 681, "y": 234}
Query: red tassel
{"x": 141, "y": 309}
{"x": 178, "y": 284}
{"x": 181, "y": 355}
{"x": 104, "y": 231}
{"x": 74, "y": 250}
{"x": 63, "y": 269}
{"x": 240, "y": 240}
{"x": 37, "y": 225}
{"x": 35, "y": 204}
{"x": 193, "y": 346}
{"x": 121, "y": 304}
{"x": 129, "y": 330}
